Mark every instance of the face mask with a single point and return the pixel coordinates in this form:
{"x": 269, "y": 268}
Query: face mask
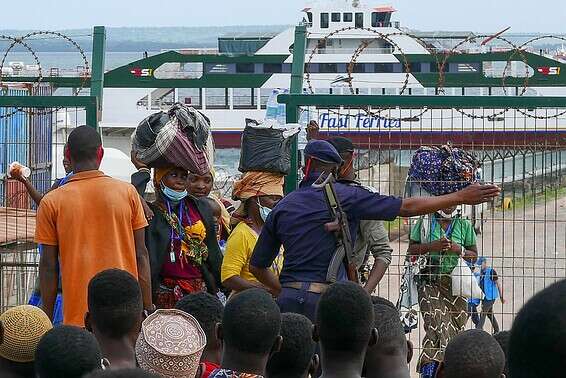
{"x": 263, "y": 211}
{"x": 447, "y": 216}
{"x": 173, "y": 195}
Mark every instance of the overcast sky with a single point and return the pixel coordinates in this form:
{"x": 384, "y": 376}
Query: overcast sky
{"x": 457, "y": 15}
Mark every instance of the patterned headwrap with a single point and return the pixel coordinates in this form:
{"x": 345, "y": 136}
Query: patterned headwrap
{"x": 23, "y": 327}
{"x": 254, "y": 184}
{"x": 160, "y": 173}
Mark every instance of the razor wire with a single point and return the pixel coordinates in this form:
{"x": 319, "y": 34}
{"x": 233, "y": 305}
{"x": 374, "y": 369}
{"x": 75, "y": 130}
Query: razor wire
{"x": 45, "y": 34}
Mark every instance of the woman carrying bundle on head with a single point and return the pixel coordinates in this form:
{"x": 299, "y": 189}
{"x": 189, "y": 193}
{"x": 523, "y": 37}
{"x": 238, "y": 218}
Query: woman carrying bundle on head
{"x": 258, "y": 192}
{"x": 181, "y": 239}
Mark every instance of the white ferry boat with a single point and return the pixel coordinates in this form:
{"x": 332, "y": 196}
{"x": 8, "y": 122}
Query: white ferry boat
{"x": 235, "y": 82}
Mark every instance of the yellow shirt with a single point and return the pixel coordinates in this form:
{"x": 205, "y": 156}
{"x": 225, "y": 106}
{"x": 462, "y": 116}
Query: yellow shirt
{"x": 92, "y": 220}
{"x": 239, "y": 249}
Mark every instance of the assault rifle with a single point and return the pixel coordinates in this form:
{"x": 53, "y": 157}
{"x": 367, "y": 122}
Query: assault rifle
{"x": 341, "y": 230}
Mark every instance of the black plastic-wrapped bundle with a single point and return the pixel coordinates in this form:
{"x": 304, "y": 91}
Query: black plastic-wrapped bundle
{"x": 265, "y": 149}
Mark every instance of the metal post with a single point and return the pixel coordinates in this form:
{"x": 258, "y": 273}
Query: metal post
{"x": 97, "y": 75}
{"x": 298, "y": 71}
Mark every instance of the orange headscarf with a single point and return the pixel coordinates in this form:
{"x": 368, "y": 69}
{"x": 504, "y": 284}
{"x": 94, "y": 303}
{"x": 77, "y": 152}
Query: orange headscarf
{"x": 254, "y": 184}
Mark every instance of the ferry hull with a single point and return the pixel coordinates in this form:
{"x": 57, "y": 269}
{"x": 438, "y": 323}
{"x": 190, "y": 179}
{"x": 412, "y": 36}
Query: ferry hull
{"x": 415, "y": 139}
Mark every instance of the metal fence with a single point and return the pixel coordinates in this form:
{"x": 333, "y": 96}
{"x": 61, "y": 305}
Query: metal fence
{"x": 521, "y": 143}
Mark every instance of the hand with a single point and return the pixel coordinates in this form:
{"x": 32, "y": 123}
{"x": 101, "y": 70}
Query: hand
{"x": 455, "y": 248}
{"x": 16, "y": 174}
{"x": 440, "y": 245}
{"x": 476, "y": 194}
{"x": 503, "y": 301}
{"x": 137, "y": 162}
{"x": 149, "y": 311}
{"x": 312, "y": 130}
{"x": 147, "y": 210}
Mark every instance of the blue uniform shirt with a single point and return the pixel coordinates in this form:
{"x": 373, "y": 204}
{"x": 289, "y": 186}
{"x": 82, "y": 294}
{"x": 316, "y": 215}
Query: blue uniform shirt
{"x": 297, "y": 223}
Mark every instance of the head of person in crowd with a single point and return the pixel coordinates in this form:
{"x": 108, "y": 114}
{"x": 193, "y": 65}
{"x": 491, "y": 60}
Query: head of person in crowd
{"x": 114, "y": 315}
{"x": 472, "y": 354}
{"x": 121, "y": 373}
{"x": 207, "y": 310}
{"x": 171, "y": 183}
{"x": 258, "y": 192}
{"x": 250, "y": 331}
{"x": 537, "y": 345}
{"x": 345, "y": 328}
{"x": 346, "y": 149}
{"x": 321, "y": 157}
{"x": 84, "y": 149}
{"x": 21, "y": 329}
{"x": 391, "y": 355}
{"x": 503, "y": 339}
{"x": 200, "y": 185}
{"x": 170, "y": 344}
{"x": 297, "y": 357}
{"x": 66, "y": 160}
{"x": 67, "y": 352}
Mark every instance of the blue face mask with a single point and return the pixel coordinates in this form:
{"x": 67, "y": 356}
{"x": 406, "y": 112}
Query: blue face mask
{"x": 263, "y": 211}
{"x": 173, "y": 195}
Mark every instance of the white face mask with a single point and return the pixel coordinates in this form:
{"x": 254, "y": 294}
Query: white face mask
{"x": 447, "y": 216}
{"x": 263, "y": 211}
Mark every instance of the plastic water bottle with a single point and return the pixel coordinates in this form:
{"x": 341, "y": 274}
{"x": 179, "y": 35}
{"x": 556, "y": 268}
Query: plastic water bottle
{"x": 272, "y": 105}
{"x": 282, "y": 111}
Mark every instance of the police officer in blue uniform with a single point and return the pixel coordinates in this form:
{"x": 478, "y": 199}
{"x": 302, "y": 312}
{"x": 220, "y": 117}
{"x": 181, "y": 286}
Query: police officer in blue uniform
{"x": 297, "y": 224}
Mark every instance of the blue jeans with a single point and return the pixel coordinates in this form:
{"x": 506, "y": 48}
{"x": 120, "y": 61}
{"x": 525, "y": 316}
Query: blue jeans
{"x": 473, "y": 311}
{"x": 299, "y": 301}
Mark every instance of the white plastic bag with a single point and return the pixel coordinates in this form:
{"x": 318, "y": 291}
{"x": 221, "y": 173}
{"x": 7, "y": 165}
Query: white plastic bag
{"x": 464, "y": 283}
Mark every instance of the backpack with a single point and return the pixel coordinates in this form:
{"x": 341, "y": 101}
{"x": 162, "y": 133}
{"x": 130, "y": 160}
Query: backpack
{"x": 443, "y": 170}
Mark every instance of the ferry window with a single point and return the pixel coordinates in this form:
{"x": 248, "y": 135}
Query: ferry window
{"x": 216, "y": 98}
{"x": 414, "y": 67}
{"x": 383, "y": 67}
{"x": 309, "y": 17}
{"x": 328, "y": 68}
{"x": 243, "y": 98}
{"x": 359, "y": 20}
{"x": 324, "y": 21}
{"x": 245, "y": 68}
{"x": 378, "y": 19}
{"x": 190, "y": 96}
{"x": 272, "y": 68}
{"x": 433, "y": 67}
{"x": 348, "y": 17}
{"x": 264, "y": 94}
{"x": 335, "y": 17}
{"x": 359, "y": 68}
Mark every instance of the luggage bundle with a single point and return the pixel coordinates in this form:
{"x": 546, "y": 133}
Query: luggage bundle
{"x": 266, "y": 147}
{"x": 443, "y": 170}
{"x": 180, "y": 136}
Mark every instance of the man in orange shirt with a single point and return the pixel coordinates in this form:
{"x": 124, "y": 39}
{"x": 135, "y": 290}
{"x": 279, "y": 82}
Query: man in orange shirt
{"x": 96, "y": 223}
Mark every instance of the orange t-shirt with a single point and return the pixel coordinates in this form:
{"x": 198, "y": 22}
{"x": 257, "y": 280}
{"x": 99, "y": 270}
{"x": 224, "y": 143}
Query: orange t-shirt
{"x": 92, "y": 219}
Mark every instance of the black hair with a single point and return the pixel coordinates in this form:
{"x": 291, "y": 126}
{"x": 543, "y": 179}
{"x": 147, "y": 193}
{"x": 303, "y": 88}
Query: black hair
{"x": 207, "y": 310}
{"x": 83, "y": 143}
{"x": 387, "y": 320}
{"x": 122, "y": 373}
{"x": 251, "y": 322}
{"x": 473, "y": 354}
{"x": 503, "y": 339}
{"x": 538, "y": 336}
{"x": 67, "y": 352}
{"x": 297, "y": 350}
{"x": 115, "y": 302}
{"x": 342, "y": 145}
{"x": 344, "y": 318}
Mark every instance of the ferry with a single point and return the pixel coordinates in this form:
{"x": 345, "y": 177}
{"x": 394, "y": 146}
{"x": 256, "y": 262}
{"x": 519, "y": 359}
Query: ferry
{"x": 235, "y": 81}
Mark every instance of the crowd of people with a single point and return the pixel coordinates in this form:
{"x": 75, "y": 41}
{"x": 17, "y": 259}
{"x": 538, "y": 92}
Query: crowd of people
{"x": 185, "y": 286}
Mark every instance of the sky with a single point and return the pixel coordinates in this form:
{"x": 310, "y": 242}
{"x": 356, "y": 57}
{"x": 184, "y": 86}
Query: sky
{"x": 456, "y": 15}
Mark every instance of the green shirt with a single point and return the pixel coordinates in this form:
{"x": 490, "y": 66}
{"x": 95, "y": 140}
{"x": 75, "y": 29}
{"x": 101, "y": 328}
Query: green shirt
{"x": 462, "y": 233}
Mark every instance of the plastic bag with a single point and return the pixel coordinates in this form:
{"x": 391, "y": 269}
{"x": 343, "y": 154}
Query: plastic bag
{"x": 464, "y": 283}
{"x": 266, "y": 149}
{"x": 443, "y": 170}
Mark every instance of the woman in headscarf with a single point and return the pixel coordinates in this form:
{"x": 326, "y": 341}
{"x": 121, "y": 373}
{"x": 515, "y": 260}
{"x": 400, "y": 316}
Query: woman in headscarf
{"x": 181, "y": 239}
{"x": 442, "y": 238}
{"x": 258, "y": 192}
{"x": 201, "y": 186}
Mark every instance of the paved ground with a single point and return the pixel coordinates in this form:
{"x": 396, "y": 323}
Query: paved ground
{"x": 526, "y": 246}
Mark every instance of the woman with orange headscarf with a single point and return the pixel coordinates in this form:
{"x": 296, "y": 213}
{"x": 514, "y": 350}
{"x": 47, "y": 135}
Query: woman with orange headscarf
{"x": 184, "y": 253}
{"x": 258, "y": 192}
